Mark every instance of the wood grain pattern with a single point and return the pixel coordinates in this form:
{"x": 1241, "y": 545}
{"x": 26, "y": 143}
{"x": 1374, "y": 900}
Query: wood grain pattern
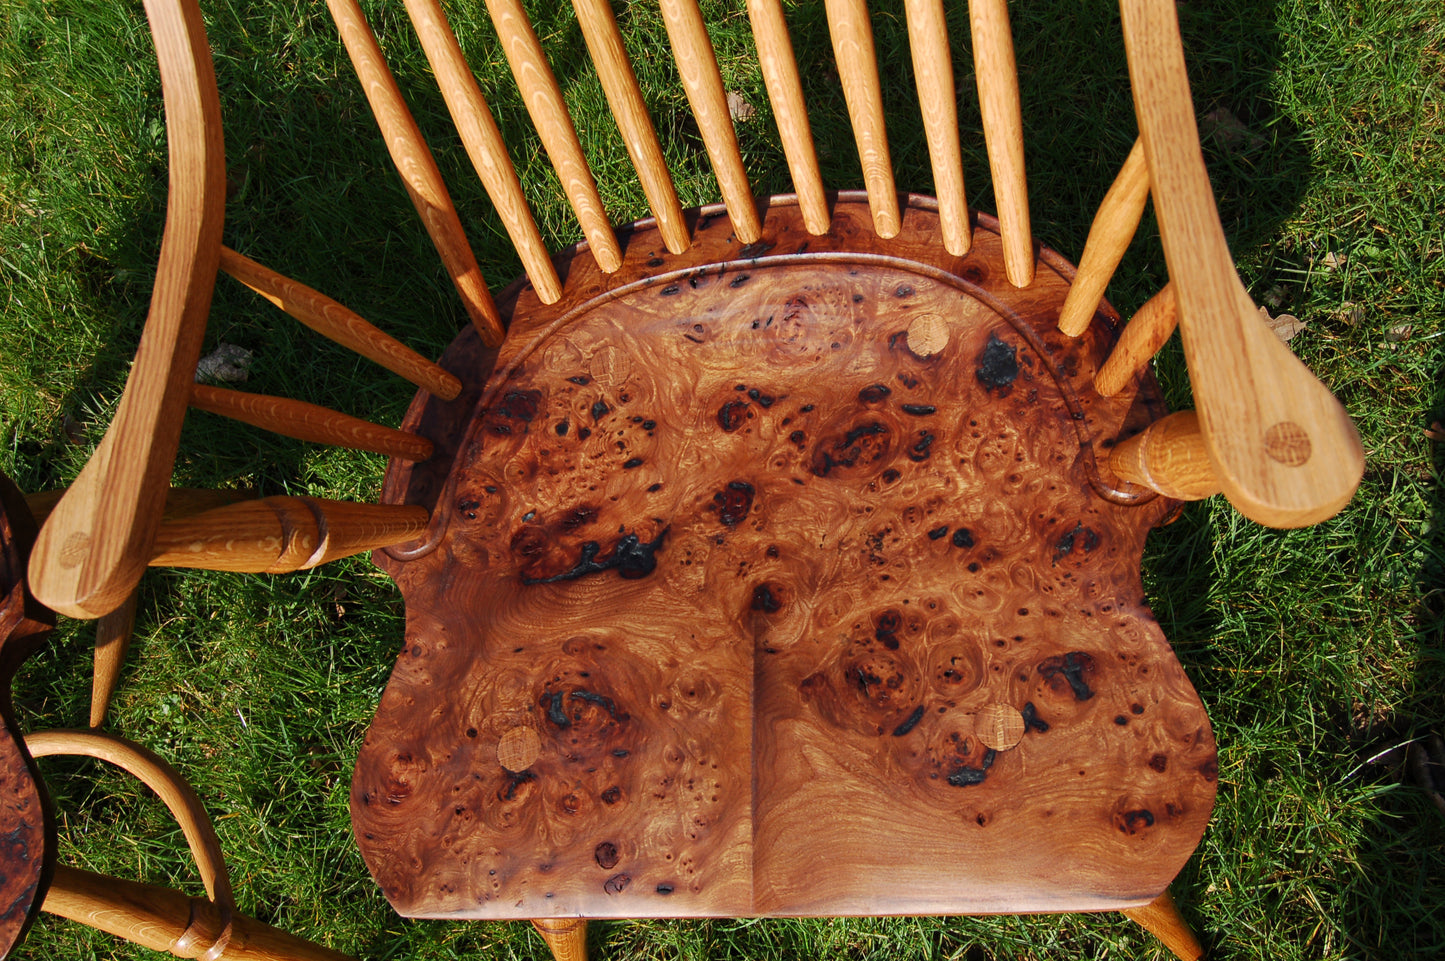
{"x": 164, "y": 920}
{"x": 94, "y": 546}
{"x": 604, "y": 43}
{"x": 112, "y": 640}
{"x": 303, "y": 421}
{"x": 1248, "y": 385}
{"x": 852, "y": 35}
{"x": 1147, "y": 331}
{"x": 549, "y": 115}
{"x": 1161, "y": 918}
{"x": 1109, "y": 237}
{"x": 933, "y": 70}
{"x": 483, "y": 142}
{"x": 785, "y": 93}
{"x": 339, "y": 324}
{"x": 418, "y": 169}
{"x": 1003, "y": 131}
{"x": 697, "y": 66}
{"x": 1169, "y": 457}
{"x": 750, "y": 568}
{"x": 278, "y": 534}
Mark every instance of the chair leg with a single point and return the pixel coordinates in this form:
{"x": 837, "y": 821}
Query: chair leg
{"x": 1161, "y": 918}
{"x": 567, "y": 937}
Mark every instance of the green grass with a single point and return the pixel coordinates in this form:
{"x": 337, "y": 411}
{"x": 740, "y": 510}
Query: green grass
{"x": 1316, "y": 651}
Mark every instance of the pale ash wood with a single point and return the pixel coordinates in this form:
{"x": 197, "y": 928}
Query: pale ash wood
{"x": 785, "y": 92}
{"x": 418, "y": 169}
{"x": 112, "y": 639}
{"x": 852, "y": 34}
{"x": 554, "y": 126}
{"x": 1249, "y": 388}
{"x": 483, "y": 141}
{"x": 1162, "y": 919}
{"x": 697, "y": 66}
{"x": 566, "y": 937}
{"x": 1168, "y": 457}
{"x": 1003, "y": 132}
{"x": 177, "y": 795}
{"x": 1147, "y": 331}
{"x": 619, "y": 83}
{"x": 164, "y": 920}
{"x": 1109, "y": 237}
{"x": 339, "y": 324}
{"x": 999, "y": 726}
{"x": 294, "y": 418}
{"x": 279, "y": 534}
{"x": 94, "y": 546}
{"x": 933, "y": 69}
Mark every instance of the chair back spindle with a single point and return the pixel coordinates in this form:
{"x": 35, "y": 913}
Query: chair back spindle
{"x": 933, "y": 70}
{"x": 1003, "y": 132}
{"x": 785, "y": 94}
{"x": 852, "y": 34}
{"x": 310, "y": 422}
{"x": 1147, "y": 331}
{"x": 1109, "y": 236}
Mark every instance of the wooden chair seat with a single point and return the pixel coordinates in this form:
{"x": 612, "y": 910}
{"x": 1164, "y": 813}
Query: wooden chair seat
{"x": 781, "y": 579}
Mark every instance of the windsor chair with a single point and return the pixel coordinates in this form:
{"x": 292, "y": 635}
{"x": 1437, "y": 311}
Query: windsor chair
{"x": 778, "y": 557}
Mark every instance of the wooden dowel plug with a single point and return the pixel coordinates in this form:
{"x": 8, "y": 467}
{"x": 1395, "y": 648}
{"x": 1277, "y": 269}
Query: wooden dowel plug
{"x": 933, "y": 69}
{"x": 1003, "y": 132}
{"x": 279, "y": 534}
{"x": 112, "y": 640}
{"x": 1146, "y": 332}
{"x": 294, "y": 418}
{"x": 697, "y": 65}
{"x": 418, "y": 169}
{"x": 852, "y": 34}
{"x": 567, "y": 937}
{"x": 1168, "y": 457}
{"x": 619, "y": 83}
{"x": 785, "y": 93}
{"x": 340, "y": 325}
{"x": 1109, "y": 237}
{"x": 1162, "y": 919}
{"x": 483, "y": 142}
{"x": 548, "y": 111}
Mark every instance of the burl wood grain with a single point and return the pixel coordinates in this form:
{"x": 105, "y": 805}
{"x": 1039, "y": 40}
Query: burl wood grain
{"x": 734, "y": 571}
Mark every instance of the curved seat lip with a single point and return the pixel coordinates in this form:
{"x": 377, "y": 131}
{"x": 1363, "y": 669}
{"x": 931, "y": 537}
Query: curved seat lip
{"x": 660, "y": 267}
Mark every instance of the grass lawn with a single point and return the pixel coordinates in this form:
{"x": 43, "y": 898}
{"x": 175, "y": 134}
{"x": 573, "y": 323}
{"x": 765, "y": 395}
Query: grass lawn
{"x": 1318, "y": 652}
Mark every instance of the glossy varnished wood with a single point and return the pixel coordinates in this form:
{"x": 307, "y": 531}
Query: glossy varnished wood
{"x": 731, "y": 576}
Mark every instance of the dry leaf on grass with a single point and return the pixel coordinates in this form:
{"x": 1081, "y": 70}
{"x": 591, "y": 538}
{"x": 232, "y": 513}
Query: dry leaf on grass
{"x": 228, "y": 364}
{"x": 1333, "y": 260}
{"x": 1351, "y": 313}
{"x": 1399, "y": 333}
{"x": 1285, "y": 326}
{"x": 1228, "y": 131}
{"x": 739, "y": 108}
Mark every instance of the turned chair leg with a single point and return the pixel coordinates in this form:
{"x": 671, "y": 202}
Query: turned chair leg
{"x": 1161, "y": 918}
{"x": 567, "y": 937}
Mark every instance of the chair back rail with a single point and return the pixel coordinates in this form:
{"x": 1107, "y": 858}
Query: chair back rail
{"x": 543, "y": 98}
{"x": 937, "y": 99}
{"x": 340, "y": 325}
{"x": 703, "y": 84}
{"x": 417, "y": 167}
{"x": 1003, "y": 132}
{"x": 483, "y": 142}
{"x": 852, "y": 35}
{"x": 1282, "y": 446}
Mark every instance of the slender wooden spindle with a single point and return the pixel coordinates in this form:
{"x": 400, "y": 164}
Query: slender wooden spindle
{"x": 852, "y": 34}
{"x": 619, "y": 83}
{"x": 1169, "y": 457}
{"x": 112, "y": 640}
{"x": 701, "y": 80}
{"x": 543, "y": 98}
{"x": 164, "y": 920}
{"x": 279, "y": 534}
{"x": 1003, "y": 133}
{"x": 567, "y": 937}
{"x": 933, "y": 69}
{"x": 1109, "y": 236}
{"x": 340, "y": 325}
{"x": 418, "y": 169}
{"x": 785, "y": 93}
{"x": 1162, "y": 919}
{"x": 483, "y": 142}
{"x": 294, "y": 418}
{"x": 1146, "y": 332}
